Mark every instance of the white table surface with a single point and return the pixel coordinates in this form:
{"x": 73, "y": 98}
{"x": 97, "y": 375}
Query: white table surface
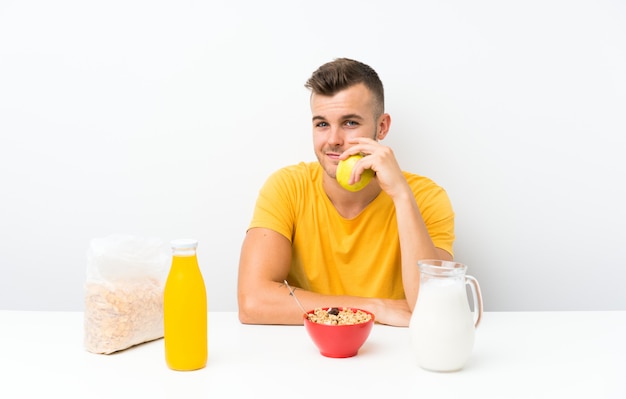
{"x": 516, "y": 355}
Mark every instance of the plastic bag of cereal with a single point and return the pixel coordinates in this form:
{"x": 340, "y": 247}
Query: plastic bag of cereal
{"x": 124, "y": 292}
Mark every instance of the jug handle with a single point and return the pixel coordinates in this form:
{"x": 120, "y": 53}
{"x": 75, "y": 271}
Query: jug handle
{"x": 478, "y": 299}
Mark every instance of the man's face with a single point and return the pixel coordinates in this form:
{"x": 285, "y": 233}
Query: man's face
{"x": 336, "y": 119}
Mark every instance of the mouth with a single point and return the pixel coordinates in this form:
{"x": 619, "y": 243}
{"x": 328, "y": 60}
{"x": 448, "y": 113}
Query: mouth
{"x": 334, "y": 156}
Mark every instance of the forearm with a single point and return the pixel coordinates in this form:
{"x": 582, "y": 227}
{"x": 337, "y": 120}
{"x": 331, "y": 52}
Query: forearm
{"x": 273, "y": 304}
{"x": 268, "y": 303}
{"x": 415, "y": 243}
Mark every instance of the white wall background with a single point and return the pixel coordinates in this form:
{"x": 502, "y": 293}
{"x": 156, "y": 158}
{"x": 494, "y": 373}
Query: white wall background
{"x": 163, "y": 118}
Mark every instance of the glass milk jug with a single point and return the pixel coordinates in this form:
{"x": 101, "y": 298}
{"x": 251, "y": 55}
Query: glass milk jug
{"x": 442, "y": 324}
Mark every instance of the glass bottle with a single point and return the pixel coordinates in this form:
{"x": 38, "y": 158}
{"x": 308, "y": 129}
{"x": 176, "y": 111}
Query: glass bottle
{"x": 185, "y": 310}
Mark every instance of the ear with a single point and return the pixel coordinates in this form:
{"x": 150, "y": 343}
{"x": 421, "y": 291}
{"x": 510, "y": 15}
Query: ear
{"x": 384, "y": 123}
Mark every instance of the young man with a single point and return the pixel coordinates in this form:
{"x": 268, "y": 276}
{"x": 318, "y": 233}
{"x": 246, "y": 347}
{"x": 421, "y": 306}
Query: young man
{"x": 337, "y": 247}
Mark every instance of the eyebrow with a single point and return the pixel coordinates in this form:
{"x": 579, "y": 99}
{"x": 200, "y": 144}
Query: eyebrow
{"x": 343, "y": 117}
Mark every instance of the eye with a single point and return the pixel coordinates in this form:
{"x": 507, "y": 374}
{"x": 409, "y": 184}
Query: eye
{"x": 321, "y": 124}
{"x": 352, "y": 123}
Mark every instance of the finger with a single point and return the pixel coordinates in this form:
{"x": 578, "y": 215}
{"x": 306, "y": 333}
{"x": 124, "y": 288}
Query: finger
{"x": 364, "y": 163}
{"x": 362, "y": 145}
{"x": 361, "y": 140}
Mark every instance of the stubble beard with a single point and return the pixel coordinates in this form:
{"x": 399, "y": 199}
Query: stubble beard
{"x": 329, "y": 168}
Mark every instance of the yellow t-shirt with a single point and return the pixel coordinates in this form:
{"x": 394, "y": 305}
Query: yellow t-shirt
{"x": 337, "y": 256}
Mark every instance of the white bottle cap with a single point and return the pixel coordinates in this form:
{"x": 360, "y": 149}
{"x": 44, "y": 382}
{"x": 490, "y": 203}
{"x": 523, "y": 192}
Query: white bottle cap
{"x": 185, "y": 243}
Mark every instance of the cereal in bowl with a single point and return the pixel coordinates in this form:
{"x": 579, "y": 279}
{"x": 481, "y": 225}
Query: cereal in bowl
{"x": 336, "y": 316}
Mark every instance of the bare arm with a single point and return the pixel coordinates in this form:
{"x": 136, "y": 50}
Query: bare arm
{"x": 264, "y": 299}
{"x": 415, "y": 244}
{"x": 415, "y": 241}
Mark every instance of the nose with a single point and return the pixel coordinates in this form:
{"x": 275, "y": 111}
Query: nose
{"x": 335, "y": 137}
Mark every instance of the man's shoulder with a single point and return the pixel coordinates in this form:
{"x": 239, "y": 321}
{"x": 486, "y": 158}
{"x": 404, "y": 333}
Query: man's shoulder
{"x": 302, "y": 176}
{"x": 302, "y": 169}
{"x": 414, "y": 178}
{"x": 422, "y": 185}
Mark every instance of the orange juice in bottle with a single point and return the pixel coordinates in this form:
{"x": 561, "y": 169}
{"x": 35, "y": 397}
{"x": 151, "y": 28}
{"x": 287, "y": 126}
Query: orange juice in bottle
{"x": 185, "y": 310}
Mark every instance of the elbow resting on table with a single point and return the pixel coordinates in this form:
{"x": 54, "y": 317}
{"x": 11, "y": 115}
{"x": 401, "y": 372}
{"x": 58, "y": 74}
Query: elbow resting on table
{"x": 248, "y": 309}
